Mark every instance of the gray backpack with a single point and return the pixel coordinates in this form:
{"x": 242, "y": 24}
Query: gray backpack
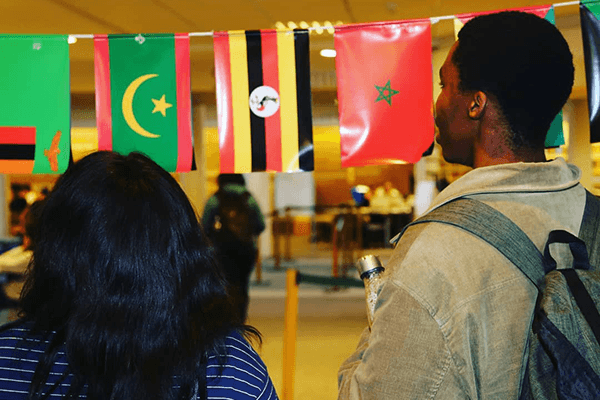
{"x": 564, "y": 342}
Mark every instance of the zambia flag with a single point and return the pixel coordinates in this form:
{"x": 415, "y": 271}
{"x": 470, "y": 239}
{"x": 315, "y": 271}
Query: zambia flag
{"x": 385, "y": 91}
{"x": 554, "y": 137}
{"x": 264, "y": 100}
{"x": 35, "y": 100}
{"x": 143, "y": 97}
{"x": 589, "y": 12}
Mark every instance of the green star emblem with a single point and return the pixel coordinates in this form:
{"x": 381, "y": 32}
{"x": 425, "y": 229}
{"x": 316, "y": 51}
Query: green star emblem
{"x": 386, "y": 92}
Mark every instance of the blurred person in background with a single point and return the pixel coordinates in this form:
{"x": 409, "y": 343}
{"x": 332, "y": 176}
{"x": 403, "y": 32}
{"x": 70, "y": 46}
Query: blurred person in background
{"x": 18, "y": 204}
{"x": 14, "y": 262}
{"x": 233, "y": 221}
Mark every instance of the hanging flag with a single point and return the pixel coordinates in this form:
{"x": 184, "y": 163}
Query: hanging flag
{"x": 546, "y": 12}
{"x": 385, "y": 91}
{"x": 589, "y": 12}
{"x": 554, "y": 137}
{"x": 264, "y": 101}
{"x": 143, "y": 97}
{"x": 35, "y": 100}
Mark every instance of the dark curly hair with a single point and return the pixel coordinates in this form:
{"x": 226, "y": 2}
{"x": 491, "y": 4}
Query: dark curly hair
{"x": 123, "y": 277}
{"x": 522, "y": 60}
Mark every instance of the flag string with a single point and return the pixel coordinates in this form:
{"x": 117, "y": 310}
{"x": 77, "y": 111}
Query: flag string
{"x": 434, "y": 20}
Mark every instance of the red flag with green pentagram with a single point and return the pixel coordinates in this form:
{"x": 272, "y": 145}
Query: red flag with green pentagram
{"x": 143, "y": 97}
{"x": 35, "y": 100}
{"x": 385, "y": 91}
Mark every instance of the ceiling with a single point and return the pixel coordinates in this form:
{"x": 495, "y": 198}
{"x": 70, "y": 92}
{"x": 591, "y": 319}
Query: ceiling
{"x": 146, "y": 16}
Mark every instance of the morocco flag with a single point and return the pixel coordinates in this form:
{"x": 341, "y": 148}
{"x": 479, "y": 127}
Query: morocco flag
{"x": 143, "y": 97}
{"x": 555, "y": 136}
{"x": 385, "y": 91}
{"x": 589, "y": 12}
{"x": 264, "y": 100}
{"x": 35, "y": 101}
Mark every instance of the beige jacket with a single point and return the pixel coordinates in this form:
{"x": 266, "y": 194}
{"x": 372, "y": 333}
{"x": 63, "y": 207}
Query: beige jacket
{"x": 452, "y": 319}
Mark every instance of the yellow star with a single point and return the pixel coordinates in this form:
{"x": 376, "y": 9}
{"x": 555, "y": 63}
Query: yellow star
{"x": 161, "y": 106}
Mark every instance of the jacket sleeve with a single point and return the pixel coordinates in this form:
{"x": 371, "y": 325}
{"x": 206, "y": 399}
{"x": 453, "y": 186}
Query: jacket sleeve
{"x": 404, "y": 356}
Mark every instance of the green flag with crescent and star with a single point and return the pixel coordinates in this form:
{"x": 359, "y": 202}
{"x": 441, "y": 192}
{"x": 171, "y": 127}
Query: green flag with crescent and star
{"x": 144, "y": 97}
{"x": 35, "y": 104}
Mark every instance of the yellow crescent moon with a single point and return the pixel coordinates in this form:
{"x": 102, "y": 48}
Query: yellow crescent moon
{"x": 128, "y": 106}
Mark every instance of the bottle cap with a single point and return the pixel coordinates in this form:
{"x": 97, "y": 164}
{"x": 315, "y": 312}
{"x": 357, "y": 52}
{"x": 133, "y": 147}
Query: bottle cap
{"x": 369, "y": 264}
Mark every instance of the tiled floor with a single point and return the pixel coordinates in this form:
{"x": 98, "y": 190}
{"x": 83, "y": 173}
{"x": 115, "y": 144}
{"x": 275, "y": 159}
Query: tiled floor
{"x": 323, "y": 343}
{"x": 329, "y": 326}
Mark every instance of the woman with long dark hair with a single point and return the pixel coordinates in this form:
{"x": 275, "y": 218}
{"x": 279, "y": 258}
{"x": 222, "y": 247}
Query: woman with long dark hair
{"x": 123, "y": 298}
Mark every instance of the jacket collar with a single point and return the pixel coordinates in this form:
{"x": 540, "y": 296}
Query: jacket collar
{"x": 521, "y": 177}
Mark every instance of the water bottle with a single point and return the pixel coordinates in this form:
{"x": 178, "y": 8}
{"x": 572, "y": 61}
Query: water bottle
{"x": 371, "y": 272}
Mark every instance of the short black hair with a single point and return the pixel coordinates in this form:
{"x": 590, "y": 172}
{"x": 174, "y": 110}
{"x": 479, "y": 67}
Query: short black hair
{"x": 525, "y": 62}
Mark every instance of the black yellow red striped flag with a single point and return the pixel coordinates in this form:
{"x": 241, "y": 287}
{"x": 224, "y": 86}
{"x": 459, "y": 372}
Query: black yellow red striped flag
{"x": 264, "y": 100}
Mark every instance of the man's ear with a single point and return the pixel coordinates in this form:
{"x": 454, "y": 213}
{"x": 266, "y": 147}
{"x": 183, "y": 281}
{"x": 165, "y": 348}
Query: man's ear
{"x": 477, "y": 105}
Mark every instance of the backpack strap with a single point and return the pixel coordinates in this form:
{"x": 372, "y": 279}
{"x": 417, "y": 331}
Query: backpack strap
{"x": 498, "y": 230}
{"x": 584, "y": 300}
{"x": 495, "y": 228}
{"x": 590, "y": 226}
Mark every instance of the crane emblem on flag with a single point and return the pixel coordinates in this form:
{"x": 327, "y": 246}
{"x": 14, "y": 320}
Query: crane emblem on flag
{"x": 53, "y": 152}
{"x": 264, "y": 101}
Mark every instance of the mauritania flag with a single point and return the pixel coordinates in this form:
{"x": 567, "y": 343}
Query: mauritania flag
{"x": 589, "y": 12}
{"x": 385, "y": 91}
{"x": 555, "y": 136}
{"x": 35, "y": 101}
{"x": 143, "y": 97}
{"x": 264, "y": 100}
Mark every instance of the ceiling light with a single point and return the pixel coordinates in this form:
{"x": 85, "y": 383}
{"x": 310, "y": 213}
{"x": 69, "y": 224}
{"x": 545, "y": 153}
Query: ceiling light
{"x": 329, "y": 27}
{"x": 329, "y": 53}
{"x": 313, "y": 27}
{"x": 71, "y": 39}
{"x": 317, "y": 27}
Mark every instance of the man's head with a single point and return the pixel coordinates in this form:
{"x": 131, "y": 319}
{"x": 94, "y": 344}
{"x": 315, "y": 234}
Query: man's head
{"x": 516, "y": 60}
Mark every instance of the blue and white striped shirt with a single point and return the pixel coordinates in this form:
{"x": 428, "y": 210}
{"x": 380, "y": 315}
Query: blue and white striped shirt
{"x": 243, "y": 376}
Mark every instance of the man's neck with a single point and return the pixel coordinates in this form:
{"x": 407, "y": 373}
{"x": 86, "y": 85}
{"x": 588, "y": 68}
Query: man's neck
{"x": 486, "y": 158}
{"x": 494, "y": 145}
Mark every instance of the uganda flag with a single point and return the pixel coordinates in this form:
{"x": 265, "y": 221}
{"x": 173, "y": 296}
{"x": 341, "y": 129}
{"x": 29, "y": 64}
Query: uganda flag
{"x": 555, "y": 136}
{"x": 385, "y": 91}
{"x": 143, "y": 97}
{"x": 264, "y": 101}
{"x": 35, "y": 100}
{"x": 589, "y": 12}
